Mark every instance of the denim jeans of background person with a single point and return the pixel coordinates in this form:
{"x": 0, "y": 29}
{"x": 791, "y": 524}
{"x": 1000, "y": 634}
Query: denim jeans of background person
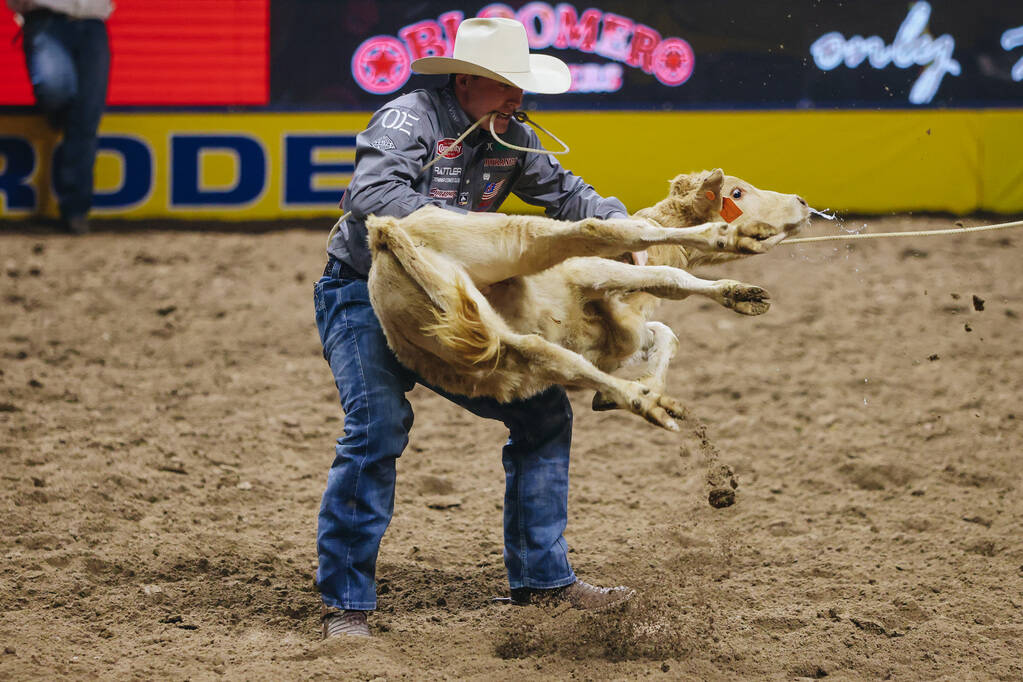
{"x": 491, "y": 66}
{"x": 68, "y": 59}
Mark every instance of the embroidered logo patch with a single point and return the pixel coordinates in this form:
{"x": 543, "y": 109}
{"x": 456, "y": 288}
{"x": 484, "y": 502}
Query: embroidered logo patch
{"x": 501, "y": 161}
{"x": 396, "y": 119}
{"x": 448, "y": 149}
{"x": 382, "y": 143}
{"x": 442, "y": 193}
{"x": 491, "y": 190}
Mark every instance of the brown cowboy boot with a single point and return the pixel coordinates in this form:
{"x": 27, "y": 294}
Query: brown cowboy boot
{"x": 337, "y": 622}
{"x": 579, "y": 595}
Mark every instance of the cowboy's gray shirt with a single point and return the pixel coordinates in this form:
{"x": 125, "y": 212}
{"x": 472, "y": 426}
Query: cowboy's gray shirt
{"x": 408, "y": 132}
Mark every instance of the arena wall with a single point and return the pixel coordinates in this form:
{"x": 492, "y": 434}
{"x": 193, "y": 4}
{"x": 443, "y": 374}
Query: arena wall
{"x": 248, "y": 166}
{"x": 252, "y": 113}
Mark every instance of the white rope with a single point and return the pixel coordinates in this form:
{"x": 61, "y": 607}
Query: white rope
{"x": 459, "y": 139}
{"x": 917, "y": 233}
{"x": 521, "y": 117}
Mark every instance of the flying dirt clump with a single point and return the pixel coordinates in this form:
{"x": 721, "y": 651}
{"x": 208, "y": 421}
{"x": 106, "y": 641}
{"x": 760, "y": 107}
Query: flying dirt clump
{"x": 721, "y": 479}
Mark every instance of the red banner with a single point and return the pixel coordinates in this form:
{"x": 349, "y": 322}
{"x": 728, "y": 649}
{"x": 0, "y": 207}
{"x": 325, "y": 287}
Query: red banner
{"x": 168, "y": 53}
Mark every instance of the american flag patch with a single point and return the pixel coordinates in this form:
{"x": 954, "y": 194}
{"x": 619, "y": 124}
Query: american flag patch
{"x": 492, "y": 189}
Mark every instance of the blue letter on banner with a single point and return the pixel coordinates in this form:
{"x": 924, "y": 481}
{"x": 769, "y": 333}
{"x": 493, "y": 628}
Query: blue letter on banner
{"x": 300, "y": 168}
{"x": 185, "y": 189}
{"x": 137, "y": 176}
{"x": 19, "y": 162}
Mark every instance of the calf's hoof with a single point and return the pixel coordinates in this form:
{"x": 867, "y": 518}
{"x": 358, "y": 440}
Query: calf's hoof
{"x": 601, "y": 403}
{"x": 745, "y": 299}
{"x": 663, "y": 412}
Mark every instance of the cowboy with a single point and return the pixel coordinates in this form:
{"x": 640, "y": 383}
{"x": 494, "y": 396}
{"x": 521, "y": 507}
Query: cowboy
{"x": 489, "y": 69}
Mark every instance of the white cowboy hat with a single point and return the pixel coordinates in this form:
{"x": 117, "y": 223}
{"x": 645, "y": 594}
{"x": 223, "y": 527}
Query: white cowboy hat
{"x": 497, "y": 48}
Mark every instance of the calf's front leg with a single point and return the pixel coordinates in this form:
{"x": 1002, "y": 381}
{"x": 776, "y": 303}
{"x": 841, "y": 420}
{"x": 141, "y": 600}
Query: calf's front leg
{"x": 494, "y": 247}
{"x": 600, "y": 276}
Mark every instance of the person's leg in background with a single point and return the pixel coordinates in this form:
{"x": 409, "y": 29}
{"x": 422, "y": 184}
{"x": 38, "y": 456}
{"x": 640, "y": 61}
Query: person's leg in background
{"x": 76, "y": 158}
{"x": 50, "y": 63}
{"x": 69, "y": 63}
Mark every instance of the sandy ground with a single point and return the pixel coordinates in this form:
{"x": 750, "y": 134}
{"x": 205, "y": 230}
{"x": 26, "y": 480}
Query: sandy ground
{"x": 167, "y": 421}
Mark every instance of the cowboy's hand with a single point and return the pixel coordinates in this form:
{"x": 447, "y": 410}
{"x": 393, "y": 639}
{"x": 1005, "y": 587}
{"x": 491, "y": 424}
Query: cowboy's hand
{"x": 757, "y": 237}
{"x": 757, "y": 230}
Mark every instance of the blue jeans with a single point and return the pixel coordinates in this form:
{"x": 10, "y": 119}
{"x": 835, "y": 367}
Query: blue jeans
{"x": 359, "y": 497}
{"x": 68, "y": 63}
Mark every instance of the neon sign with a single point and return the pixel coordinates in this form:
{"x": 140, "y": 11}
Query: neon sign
{"x": 381, "y": 64}
{"x": 1011, "y": 39}
{"x": 912, "y": 47}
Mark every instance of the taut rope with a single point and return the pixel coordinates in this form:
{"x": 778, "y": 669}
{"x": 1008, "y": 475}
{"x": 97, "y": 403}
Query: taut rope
{"x": 916, "y": 233}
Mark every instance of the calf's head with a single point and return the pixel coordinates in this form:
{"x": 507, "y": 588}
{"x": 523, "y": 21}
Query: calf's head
{"x": 713, "y": 196}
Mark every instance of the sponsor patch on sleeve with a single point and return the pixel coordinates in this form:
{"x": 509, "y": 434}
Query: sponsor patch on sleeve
{"x": 382, "y": 143}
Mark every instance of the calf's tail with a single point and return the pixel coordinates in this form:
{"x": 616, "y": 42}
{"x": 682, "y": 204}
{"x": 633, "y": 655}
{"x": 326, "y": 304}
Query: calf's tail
{"x": 459, "y": 324}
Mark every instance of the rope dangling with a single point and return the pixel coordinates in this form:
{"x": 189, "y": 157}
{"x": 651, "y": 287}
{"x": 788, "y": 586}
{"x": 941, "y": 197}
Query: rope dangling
{"x": 458, "y": 140}
{"x": 522, "y": 117}
{"x": 519, "y": 116}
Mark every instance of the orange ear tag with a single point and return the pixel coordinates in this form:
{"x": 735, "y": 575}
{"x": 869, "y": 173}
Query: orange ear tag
{"x": 709, "y": 195}
{"x": 729, "y": 211}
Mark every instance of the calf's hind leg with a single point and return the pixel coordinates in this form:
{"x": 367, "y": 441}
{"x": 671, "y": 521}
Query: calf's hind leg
{"x": 561, "y": 366}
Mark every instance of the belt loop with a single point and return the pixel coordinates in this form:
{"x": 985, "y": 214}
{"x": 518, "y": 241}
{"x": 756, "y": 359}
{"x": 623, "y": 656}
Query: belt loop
{"x": 338, "y": 269}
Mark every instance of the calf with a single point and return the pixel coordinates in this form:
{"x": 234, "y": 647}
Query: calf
{"x": 507, "y": 306}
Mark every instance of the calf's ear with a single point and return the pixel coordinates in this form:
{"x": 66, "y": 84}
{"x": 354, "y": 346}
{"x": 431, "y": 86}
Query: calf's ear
{"x": 707, "y": 202}
{"x": 683, "y": 184}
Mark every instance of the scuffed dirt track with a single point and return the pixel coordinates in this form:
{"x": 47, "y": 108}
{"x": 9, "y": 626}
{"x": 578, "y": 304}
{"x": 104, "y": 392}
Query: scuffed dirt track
{"x": 167, "y": 421}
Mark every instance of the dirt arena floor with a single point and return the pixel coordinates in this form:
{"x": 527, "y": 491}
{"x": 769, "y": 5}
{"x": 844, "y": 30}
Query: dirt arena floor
{"x": 167, "y": 421}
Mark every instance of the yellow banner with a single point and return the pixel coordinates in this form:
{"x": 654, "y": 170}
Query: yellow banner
{"x": 245, "y": 166}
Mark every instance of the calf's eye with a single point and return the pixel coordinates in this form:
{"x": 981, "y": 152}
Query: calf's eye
{"x": 737, "y": 194}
